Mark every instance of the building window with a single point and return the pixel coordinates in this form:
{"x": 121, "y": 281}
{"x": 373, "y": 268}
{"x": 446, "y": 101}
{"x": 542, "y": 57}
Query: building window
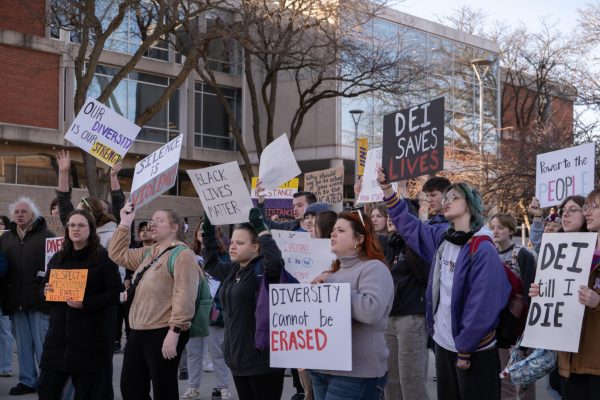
{"x": 34, "y": 170}
{"x": 211, "y": 124}
{"x": 134, "y": 94}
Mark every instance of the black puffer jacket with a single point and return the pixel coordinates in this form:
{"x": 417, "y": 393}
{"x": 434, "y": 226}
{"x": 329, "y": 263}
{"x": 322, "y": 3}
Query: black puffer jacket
{"x": 410, "y": 274}
{"x": 82, "y": 339}
{"x": 25, "y": 258}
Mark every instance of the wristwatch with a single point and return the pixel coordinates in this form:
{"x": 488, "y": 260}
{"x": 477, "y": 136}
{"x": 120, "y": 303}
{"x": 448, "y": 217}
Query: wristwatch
{"x": 176, "y": 329}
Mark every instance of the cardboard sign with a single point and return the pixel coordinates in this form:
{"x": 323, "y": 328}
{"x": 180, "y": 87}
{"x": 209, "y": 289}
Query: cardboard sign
{"x": 285, "y": 191}
{"x": 156, "y": 173}
{"x": 413, "y": 141}
{"x": 327, "y": 185}
{"x": 223, "y": 193}
{"x": 311, "y": 326}
{"x": 277, "y": 163}
{"x": 67, "y": 284}
{"x": 53, "y": 245}
{"x": 555, "y": 316}
{"x": 102, "y": 132}
{"x": 362, "y": 148}
{"x": 370, "y": 191}
{"x": 563, "y": 173}
{"x": 305, "y": 257}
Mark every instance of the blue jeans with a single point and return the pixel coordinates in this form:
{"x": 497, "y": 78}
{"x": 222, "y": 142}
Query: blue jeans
{"x": 334, "y": 387}
{"x": 195, "y": 358}
{"x": 30, "y": 331}
{"x": 6, "y": 344}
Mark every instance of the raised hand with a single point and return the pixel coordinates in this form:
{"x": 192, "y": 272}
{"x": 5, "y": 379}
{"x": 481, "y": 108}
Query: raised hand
{"x": 534, "y": 208}
{"x": 63, "y": 158}
{"x": 127, "y": 214}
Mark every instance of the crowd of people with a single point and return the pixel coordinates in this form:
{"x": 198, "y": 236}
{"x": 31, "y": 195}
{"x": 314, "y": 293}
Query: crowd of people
{"x": 418, "y": 285}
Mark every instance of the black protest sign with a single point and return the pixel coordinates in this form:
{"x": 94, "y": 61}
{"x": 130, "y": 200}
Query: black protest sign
{"x": 413, "y": 141}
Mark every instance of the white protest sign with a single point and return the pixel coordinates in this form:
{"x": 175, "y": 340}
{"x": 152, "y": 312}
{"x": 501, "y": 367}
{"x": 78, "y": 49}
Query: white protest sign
{"x": 156, "y": 173}
{"x": 102, "y": 132}
{"x": 311, "y": 326}
{"x": 305, "y": 258}
{"x": 370, "y": 191}
{"x": 53, "y": 245}
{"x": 223, "y": 193}
{"x": 555, "y": 316}
{"x": 277, "y": 163}
{"x": 563, "y": 173}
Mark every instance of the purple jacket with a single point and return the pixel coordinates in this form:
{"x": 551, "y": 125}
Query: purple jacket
{"x": 480, "y": 289}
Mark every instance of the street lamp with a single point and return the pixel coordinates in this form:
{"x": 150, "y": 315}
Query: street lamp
{"x": 356, "y": 114}
{"x": 481, "y": 66}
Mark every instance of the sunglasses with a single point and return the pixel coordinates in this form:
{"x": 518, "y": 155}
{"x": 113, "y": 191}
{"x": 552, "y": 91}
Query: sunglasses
{"x": 84, "y": 201}
{"x": 362, "y": 221}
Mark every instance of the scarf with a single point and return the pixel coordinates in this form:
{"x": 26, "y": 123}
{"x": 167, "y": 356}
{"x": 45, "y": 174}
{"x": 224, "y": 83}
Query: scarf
{"x": 23, "y": 232}
{"x": 458, "y": 238}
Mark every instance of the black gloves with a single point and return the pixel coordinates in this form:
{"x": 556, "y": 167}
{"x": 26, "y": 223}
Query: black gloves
{"x": 207, "y": 227}
{"x": 257, "y": 221}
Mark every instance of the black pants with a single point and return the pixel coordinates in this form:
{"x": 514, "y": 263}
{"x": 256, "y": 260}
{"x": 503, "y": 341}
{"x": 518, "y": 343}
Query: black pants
{"x": 582, "y": 387}
{"x": 480, "y": 381}
{"x": 296, "y": 381}
{"x": 88, "y": 385}
{"x": 260, "y": 387}
{"x": 143, "y": 363}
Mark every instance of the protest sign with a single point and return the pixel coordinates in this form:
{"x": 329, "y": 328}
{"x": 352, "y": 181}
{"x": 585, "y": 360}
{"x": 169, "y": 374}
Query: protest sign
{"x": 413, "y": 141}
{"x": 370, "y": 191}
{"x": 53, "y": 245}
{"x": 223, "y": 193}
{"x": 311, "y": 326}
{"x": 327, "y": 185}
{"x": 563, "y": 173}
{"x": 362, "y": 148}
{"x": 102, "y": 132}
{"x": 284, "y": 191}
{"x": 555, "y": 316}
{"x": 156, "y": 173}
{"x": 277, "y": 163}
{"x": 67, "y": 284}
{"x": 305, "y": 257}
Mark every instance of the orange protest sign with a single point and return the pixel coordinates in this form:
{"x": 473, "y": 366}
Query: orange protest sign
{"x": 67, "y": 284}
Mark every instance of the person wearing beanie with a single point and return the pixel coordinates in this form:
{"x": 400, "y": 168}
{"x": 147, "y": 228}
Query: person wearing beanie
{"x": 310, "y": 213}
{"x": 466, "y": 290}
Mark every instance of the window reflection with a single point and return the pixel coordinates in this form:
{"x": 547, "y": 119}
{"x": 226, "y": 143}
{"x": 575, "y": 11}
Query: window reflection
{"x": 211, "y": 123}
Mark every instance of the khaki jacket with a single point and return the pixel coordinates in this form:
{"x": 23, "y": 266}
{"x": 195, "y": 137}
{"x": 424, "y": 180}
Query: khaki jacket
{"x": 587, "y": 360}
{"x": 161, "y": 300}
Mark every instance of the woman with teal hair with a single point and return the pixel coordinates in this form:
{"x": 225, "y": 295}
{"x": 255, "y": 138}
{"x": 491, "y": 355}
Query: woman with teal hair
{"x": 466, "y": 291}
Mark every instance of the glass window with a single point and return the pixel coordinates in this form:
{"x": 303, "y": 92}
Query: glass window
{"x": 8, "y": 169}
{"x": 224, "y": 55}
{"x": 35, "y": 170}
{"x": 413, "y": 48}
{"x": 441, "y": 86}
{"x": 385, "y": 31}
{"x": 211, "y": 123}
{"x": 439, "y": 60}
{"x": 366, "y": 123}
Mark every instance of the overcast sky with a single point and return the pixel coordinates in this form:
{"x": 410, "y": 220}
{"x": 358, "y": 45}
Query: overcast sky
{"x": 562, "y": 13}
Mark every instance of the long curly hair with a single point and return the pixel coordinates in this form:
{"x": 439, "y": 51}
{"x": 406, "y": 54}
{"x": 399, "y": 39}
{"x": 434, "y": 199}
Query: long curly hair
{"x": 93, "y": 241}
{"x": 369, "y": 249}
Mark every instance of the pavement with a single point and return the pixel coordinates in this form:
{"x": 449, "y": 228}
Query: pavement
{"x": 208, "y": 383}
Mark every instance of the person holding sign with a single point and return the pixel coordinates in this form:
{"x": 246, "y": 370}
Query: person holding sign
{"x": 80, "y": 337}
{"x": 162, "y": 299}
{"x": 466, "y": 291}
{"x": 360, "y": 262}
{"x": 253, "y": 253}
{"x": 581, "y": 370}
{"x": 300, "y": 201}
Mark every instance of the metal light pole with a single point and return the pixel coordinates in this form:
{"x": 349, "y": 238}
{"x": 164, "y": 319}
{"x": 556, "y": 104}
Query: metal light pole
{"x": 481, "y": 67}
{"x": 356, "y": 114}
{"x": 485, "y": 67}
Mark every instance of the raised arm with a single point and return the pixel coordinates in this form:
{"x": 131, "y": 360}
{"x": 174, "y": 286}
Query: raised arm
{"x": 117, "y": 198}
{"x": 118, "y": 249}
{"x": 273, "y": 261}
{"x": 63, "y": 191}
{"x": 213, "y": 265}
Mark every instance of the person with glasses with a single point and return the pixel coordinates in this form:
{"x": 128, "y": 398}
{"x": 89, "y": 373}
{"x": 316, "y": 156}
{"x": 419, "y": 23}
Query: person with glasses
{"x": 581, "y": 371}
{"x": 78, "y": 344}
{"x": 466, "y": 291}
{"x": 162, "y": 304}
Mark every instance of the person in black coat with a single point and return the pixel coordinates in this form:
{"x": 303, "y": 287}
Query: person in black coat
{"x": 79, "y": 340}
{"x": 250, "y": 244}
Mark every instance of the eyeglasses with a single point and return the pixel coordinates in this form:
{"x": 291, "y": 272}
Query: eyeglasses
{"x": 568, "y": 211}
{"x": 449, "y": 198}
{"x": 78, "y": 226}
{"x": 590, "y": 207}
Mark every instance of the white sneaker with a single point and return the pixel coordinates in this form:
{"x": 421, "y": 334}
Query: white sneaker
{"x": 225, "y": 394}
{"x": 192, "y": 394}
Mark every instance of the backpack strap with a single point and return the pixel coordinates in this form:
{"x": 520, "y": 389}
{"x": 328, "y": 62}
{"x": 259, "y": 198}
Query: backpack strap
{"x": 172, "y": 256}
